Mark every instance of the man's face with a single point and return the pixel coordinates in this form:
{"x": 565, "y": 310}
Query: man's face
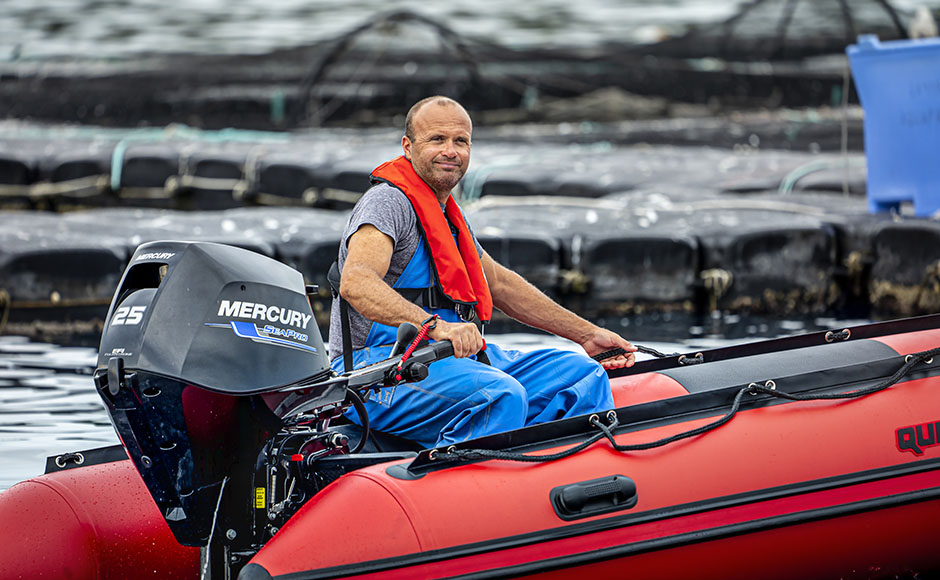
{"x": 440, "y": 151}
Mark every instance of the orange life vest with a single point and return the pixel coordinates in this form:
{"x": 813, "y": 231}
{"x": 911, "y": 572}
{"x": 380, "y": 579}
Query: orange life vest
{"x": 456, "y": 265}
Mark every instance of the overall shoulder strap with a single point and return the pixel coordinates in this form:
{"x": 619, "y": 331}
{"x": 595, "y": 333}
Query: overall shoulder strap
{"x": 334, "y": 278}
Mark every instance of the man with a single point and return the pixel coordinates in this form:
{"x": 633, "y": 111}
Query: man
{"x": 407, "y": 253}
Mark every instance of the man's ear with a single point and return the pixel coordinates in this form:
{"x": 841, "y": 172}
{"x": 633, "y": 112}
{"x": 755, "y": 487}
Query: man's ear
{"x": 406, "y": 147}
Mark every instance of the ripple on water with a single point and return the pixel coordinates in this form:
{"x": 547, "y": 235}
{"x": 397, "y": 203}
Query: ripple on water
{"x": 48, "y": 405}
{"x": 90, "y": 28}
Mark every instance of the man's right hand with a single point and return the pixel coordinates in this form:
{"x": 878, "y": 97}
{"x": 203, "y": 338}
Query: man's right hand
{"x": 465, "y": 336}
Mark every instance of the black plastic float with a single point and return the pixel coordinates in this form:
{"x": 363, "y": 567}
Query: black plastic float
{"x": 686, "y": 232}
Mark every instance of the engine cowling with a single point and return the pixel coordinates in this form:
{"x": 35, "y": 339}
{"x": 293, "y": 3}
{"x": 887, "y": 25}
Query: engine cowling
{"x": 224, "y": 318}
{"x": 199, "y": 340}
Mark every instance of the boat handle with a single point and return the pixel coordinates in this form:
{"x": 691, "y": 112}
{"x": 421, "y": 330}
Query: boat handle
{"x": 593, "y": 497}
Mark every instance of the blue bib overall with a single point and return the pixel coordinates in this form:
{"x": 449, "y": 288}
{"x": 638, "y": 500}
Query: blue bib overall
{"x": 463, "y": 398}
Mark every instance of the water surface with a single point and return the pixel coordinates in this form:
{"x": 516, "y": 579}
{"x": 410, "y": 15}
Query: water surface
{"x": 102, "y": 29}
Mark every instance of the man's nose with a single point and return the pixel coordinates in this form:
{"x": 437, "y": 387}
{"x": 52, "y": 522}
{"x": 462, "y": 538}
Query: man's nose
{"x": 449, "y": 149}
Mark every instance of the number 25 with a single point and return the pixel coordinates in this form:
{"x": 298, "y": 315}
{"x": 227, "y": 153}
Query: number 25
{"x": 128, "y": 315}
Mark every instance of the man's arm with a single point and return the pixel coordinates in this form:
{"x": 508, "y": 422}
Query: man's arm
{"x": 362, "y": 284}
{"x": 516, "y": 297}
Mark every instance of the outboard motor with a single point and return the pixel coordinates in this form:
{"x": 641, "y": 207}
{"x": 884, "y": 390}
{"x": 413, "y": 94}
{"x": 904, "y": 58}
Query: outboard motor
{"x": 216, "y": 379}
{"x": 194, "y": 333}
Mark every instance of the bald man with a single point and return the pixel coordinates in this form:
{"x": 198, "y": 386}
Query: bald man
{"x": 408, "y": 255}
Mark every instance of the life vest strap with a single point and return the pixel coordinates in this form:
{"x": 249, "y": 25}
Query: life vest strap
{"x": 433, "y": 298}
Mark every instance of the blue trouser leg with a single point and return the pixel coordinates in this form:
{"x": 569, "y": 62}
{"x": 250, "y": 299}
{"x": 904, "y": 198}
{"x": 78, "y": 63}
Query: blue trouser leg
{"x": 558, "y": 384}
{"x": 464, "y": 399}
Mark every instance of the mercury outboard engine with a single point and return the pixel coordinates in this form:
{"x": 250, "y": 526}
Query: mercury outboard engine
{"x": 216, "y": 379}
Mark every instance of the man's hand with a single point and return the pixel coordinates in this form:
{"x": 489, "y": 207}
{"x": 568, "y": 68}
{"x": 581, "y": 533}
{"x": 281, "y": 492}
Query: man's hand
{"x": 464, "y": 336}
{"x": 602, "y": 340}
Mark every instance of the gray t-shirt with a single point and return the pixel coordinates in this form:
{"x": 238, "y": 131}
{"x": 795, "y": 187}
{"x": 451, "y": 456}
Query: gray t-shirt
{"x": 389, "y": 210}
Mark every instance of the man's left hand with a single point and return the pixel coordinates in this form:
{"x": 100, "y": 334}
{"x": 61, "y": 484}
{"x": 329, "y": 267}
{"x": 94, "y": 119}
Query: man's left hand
{"x": 602, "y": 340}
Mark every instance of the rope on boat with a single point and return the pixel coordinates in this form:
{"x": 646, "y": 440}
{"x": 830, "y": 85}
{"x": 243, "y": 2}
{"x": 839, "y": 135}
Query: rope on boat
{"x": 838, "y": 336}
{"x": 683, "y": 359}
{"x": 769, "y": 388}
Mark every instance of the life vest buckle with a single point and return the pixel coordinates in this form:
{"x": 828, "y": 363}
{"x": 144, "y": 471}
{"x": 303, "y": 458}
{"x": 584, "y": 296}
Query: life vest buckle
{"x": 466, "y": 312}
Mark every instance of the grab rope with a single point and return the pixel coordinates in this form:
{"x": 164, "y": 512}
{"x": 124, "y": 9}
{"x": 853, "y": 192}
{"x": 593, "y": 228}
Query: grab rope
{"x": 769, "y": 388}
{"x": 62, "y": 460}
{"x": 683, "y": 359}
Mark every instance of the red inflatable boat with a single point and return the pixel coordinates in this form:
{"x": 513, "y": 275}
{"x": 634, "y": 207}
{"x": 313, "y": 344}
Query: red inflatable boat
{"x": 807, "y": 457}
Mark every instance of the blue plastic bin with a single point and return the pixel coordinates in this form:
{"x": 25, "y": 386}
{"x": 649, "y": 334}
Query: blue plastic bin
{"x": 898, "y": 83}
